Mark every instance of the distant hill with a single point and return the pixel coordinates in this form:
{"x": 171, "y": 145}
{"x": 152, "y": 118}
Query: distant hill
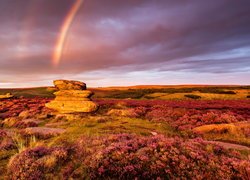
{"x": 169, "y": 92}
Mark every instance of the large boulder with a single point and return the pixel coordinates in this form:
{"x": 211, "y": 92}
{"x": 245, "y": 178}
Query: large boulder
{"x": 71, "y": 99}
{"x": 72, "y": 106}
{"x": 69, "y": 85}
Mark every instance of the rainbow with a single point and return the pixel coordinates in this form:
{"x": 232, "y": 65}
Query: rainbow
{"x": 57, "y": 54}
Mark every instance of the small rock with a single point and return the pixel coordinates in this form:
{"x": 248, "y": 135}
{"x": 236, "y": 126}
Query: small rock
{"x": 154, "y": 133}
{"x": 6, "y": 96}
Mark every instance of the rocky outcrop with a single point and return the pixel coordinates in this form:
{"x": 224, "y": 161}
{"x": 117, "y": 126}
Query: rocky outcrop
{"x": 6, "y": 96}
{"x": 72, "y": 100}
{"x": 69, "y": 85}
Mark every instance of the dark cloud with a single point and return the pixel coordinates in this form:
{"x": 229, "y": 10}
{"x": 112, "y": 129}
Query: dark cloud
{"x": 163, "y": 35}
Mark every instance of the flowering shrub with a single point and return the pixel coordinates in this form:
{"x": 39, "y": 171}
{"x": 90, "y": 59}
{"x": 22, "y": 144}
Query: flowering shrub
{"x": 125, "y": 156}
{"x": 26, "y": 165}
{"x": 13, "y": 107}
{"x": 241, "y": 105}
{"x": 164, "y": 113}
{"x": 185, "y": 114}
{"x": 6, "y": 142}
{"x": 182, "y": 115}
{"x": 23, "y": 124}
{"x": 140, "y": 111}
{"x": 190, "y": 121}
{"x": 128, "y": 112}
{"x": 246, "y": 131}
{"x": 134, "y": 157}
{"x": 2, "y": 134}
{"x": 186, "y": 119}
{"x": 35, "y": 163}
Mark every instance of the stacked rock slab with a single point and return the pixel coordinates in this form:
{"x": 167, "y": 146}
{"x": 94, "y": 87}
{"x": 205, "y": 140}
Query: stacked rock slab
{"x": 72, "y": 97}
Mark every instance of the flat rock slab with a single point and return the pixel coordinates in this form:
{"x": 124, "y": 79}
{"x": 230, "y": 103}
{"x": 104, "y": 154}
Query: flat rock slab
{"x": 43, "y": 132}
{"x": 72, "y": 106}
{"x": 74, "y": 93}
{"x": 6, "y": 96}
{"x": 71, "y": 85}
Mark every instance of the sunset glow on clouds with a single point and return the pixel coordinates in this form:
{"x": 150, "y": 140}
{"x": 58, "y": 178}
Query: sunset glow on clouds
{"x": 116, "y": 42}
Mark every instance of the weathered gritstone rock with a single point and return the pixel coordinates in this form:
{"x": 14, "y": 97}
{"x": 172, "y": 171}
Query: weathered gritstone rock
{"x": 6, "y": 96}
{"x": 72, "y": 106}
{"x": 62, "y": 98}
{"x": 74, "y": 93}
{"x": 72, "y": 100}
{"x": 69, "y": 85}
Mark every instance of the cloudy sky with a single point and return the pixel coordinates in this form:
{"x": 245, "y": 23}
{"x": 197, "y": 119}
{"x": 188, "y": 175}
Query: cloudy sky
{"x": 118, "y": 42}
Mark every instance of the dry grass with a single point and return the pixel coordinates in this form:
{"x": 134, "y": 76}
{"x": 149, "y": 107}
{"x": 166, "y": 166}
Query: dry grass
{"x": 233, "y": 132}
{"x": 93, "y": 126}
{"x": 240, "y": 94}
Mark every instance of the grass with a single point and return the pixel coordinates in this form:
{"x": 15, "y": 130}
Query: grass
{"x": 240, "y": 94}
{"x": 24, "y": 143}
{"x": 99, "y": 124}
{"x": 29, "y": 92}
{"x": 93, "y": 127}
{"x": 192, "y": 96}
{"x": 5, "y": 155}
{"x": 226, "y": 132}
{"x": 170, "y": 92}
{"x": 176, "y": 93}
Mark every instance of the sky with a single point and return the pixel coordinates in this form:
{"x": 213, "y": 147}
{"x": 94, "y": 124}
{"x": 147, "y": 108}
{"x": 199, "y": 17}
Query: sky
{"x": 122, "y": 43}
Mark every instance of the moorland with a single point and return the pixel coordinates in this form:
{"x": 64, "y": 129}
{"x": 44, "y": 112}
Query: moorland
{"x": 138, "y": 132}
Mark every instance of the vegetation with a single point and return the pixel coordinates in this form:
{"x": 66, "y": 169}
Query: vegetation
{"x": 126, "y": 138}
{"x": 139, "y": 93}
{"x": 29, "y": 92}
{"x": 192, "y": 96}
{"x": 125, "y": 156}
{"x": 171, "y": 92}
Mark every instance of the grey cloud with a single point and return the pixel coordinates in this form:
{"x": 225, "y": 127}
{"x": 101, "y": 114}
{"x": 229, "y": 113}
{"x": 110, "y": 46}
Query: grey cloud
{"x": 125, "y": 35}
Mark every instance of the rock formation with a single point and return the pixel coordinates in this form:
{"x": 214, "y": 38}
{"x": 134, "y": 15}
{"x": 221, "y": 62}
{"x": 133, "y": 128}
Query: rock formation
{"x": 6, "y": 96}
{"x": 72, "y": 97}
{"x": 69, "y": 85}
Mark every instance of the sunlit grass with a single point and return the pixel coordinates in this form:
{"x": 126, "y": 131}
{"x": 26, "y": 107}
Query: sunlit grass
{"x": 232, "y": 132}
{"x": 90, "y": 126}
{"x": 240, "y": 94}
